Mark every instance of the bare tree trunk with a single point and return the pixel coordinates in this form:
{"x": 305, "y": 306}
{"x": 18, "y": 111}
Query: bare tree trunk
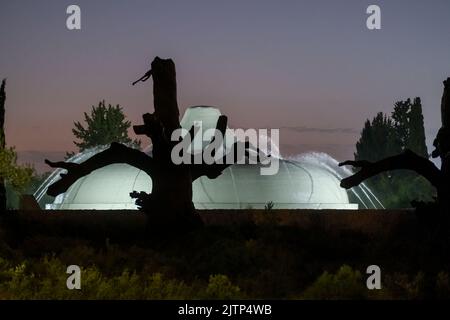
{"x": 442, "y": 144}
{"x": 170, "y": 202}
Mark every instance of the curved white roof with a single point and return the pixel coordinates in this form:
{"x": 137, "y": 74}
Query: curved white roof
{"x": 295, "y": 185}
{"x": 298, "y": 184}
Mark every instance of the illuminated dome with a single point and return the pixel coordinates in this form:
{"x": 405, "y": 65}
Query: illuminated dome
{"x": 304, "y": 183}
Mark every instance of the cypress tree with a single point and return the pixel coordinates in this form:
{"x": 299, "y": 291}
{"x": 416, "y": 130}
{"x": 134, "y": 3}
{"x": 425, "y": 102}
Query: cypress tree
{"x": 400, "y": 117}
{"x": 384, "y": 137}
{"x": 15, "y": 175}
{"x": 417, "y": 140}
{"x": 378, "y": 139}
{"x": 2, "y": 144}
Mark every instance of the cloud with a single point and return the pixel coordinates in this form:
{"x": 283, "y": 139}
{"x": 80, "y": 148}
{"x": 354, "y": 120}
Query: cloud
{"x": 303, "y": 129}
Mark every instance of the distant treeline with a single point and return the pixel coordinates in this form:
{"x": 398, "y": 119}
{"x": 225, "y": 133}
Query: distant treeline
{"x": 387, "y": 136}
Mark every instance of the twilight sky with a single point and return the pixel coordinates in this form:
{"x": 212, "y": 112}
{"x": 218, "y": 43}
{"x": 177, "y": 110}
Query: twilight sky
{"x": 306, "y": 66}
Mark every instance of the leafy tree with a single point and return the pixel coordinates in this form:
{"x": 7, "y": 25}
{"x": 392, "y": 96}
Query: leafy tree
{"x": 36, "y": 180}
{"x": 423, "y": 167}
{"x": 378, "y": 139}
{"x": 409, "y": 126}
{"x": 18, "y": 176}
{"x": 104, "y": 125}
{"x": 384, "y": 137}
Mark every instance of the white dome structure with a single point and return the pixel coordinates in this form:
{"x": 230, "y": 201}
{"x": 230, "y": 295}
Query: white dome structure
{"x": 297, "y": 185}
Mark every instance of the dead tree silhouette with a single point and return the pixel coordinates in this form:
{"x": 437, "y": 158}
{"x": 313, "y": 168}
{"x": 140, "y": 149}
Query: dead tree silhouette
{"x": 439, "y": 178}
{"x": 170, "y": 202}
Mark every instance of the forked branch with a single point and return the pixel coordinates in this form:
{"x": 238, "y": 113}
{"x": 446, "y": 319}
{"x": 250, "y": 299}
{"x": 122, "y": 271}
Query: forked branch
{"x": 408, "y": 160}
{"x": 116, "y": 153}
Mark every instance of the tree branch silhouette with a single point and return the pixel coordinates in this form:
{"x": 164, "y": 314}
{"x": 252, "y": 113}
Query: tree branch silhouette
{"x": 170, "y": 201}
{"x": 116, "y": 153}
{"x": 408, "y": 160}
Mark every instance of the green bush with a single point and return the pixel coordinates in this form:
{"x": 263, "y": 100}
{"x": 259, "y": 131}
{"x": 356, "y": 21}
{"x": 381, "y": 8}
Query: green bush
{"x": 263, "y": 260}
{"x": 442, "y": 285}
{"x": 46, "y": 279}
{"x": 344, "y": 284}
{"x": 220, "y": 287}
{"x": 404, "y": 286}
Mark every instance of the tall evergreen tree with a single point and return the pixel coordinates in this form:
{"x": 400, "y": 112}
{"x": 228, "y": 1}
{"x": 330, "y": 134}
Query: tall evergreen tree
{"x": 17, "y": 176}
{"x": 417, "y": 140}
{"x": 400, "y": 117}
{"x": 378, "y": 139}
{"x": 2, "y": 144}
{"x": 387, "y": 136}
{"x": 424, "y": 168}
{"x": 409, "y": 126}
{"x": 104, "y": 125}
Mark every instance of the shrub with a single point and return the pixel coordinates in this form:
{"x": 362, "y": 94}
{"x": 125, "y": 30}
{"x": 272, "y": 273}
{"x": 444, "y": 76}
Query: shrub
{"x": 404, "y": 286}
{"x": 220, "y": 287}
{"x": 46, "y": 279}
{"x": 442, "y": 285}
{"x": 345, "y": 284}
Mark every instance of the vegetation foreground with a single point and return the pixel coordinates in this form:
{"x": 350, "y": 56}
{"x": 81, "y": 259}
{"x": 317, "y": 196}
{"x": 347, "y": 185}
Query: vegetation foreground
{"x": 263, "y": 257}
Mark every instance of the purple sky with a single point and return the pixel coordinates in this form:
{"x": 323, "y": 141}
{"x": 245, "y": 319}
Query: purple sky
{"x": 306, "y": 65}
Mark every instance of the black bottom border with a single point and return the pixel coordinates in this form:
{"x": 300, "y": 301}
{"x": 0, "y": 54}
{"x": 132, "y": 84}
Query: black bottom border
{"x": 242, "y": 309}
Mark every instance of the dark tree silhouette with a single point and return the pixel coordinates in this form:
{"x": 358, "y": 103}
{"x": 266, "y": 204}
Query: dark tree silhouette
{"x": 386, "y": 136}
{"x": 170, "y": 202}
{"x": 104, "y": 125}
{"x": 417, "y": 139}
{"x": 2, "y": 144}
{"x": 17, "y": 176}
{"x": 409, "y": 160}
{"x": 378, "y": 139}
